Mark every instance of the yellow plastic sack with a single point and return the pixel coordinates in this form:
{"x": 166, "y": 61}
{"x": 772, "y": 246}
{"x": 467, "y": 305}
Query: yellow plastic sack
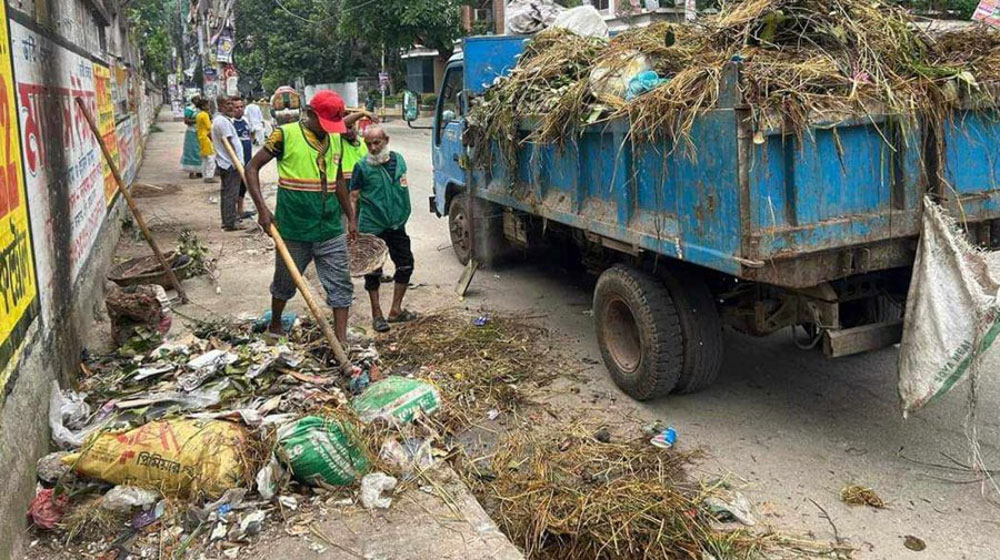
{"x": 179, "y": 457}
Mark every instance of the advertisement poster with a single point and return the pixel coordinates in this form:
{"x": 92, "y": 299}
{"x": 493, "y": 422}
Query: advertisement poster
{"x": 18, "y": 288}
{"x": 224, "y": 53}
{"x": 63, "y": 174}
{"x": 125, "y": 132}
{"x": 988, "y": 12}
{"x": 106, "y": 123}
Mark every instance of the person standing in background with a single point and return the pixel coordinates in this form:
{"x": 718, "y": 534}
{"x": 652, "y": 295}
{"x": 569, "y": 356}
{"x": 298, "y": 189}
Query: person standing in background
{"x": 243, "y": 132}
{"x": 255, "y": 118}
{"x": 191, "y": 155}
{"x": 203, "y": 129}
{"x": 223, "y": 133}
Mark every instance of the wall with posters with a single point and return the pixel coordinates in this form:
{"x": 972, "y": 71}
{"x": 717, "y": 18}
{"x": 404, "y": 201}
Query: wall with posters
{"x": 60, "y": 212}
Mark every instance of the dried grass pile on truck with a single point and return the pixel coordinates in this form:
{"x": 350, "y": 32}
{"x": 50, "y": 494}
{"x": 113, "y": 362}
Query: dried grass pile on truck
{"x": 802, "y": 62}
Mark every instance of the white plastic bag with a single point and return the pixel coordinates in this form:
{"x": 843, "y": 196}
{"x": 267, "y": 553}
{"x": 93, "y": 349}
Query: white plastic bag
{"x": 372, "y": 487}
{"x": 583, "y": 20}
{"x": 524, "y": 17}
{"x": 952, "y": 309}
{"x": 67, "y": 412}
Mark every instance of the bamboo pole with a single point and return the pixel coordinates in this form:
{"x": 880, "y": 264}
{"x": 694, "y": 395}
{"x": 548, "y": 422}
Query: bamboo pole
{"x": 131, "y": 202}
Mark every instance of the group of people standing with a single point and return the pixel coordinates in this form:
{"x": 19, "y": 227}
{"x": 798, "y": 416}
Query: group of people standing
{"x": 332, "y": 184}
{"x": 199, "y": 155}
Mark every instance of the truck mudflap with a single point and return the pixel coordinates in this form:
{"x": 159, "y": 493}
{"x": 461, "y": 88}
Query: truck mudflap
{"x": 952, "y": 315}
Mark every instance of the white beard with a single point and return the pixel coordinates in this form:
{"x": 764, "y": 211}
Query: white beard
{"x": 378, "y": 158}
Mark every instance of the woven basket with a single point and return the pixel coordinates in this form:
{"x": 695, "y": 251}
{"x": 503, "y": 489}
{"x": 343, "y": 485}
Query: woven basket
{"x": 368, "y": 254}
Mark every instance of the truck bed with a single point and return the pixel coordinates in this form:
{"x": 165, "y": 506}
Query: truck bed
{"x": 844, "y": 200}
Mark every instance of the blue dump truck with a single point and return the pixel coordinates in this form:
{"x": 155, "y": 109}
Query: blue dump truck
{"x": 754, "y": 233}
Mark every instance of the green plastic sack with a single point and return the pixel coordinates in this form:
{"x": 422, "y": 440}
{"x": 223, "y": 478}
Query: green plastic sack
{"x": 397, "y": 399}
{"x": 322, "y": 449}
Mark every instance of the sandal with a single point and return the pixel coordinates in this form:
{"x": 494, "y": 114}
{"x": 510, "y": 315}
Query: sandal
{"x": 404, "y": 316}
{"x": 380, "y": 325}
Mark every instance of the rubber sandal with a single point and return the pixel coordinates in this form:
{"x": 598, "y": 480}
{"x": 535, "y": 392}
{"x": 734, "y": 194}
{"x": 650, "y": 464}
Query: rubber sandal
{"x": 403, "y": 317}
{"x": 380, "y": 325}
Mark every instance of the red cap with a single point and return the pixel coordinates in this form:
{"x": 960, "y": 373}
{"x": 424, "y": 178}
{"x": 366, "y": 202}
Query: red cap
{"x": 329, "y": 107}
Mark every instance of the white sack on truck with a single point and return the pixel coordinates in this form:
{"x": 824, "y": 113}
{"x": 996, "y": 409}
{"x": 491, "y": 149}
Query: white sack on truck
{"x": 525, "y": 17}
{"x": 952, "y": 312}
{"x": 583, "y": 20}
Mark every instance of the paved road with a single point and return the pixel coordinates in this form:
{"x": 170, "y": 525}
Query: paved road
{"x": 790, "y": 425}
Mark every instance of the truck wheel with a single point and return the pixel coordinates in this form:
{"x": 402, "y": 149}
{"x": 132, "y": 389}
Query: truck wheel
{"x": 701, "y": 328}
{"x": 458, "y": 226}
{"x": 639, "y": 332}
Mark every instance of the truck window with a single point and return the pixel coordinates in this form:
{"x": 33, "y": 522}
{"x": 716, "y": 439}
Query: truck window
{"x": 449, "y": 108}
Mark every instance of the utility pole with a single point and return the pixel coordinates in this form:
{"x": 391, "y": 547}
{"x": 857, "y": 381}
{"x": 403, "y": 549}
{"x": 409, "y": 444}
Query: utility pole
{"x": 382, "y": 81}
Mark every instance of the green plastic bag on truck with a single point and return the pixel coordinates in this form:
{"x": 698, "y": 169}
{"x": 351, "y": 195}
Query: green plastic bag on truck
{"x": 397, "y": 399}
{"x": 322, "y": 449}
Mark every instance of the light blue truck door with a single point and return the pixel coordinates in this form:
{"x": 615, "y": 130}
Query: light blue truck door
{"x": 448, "y": 124}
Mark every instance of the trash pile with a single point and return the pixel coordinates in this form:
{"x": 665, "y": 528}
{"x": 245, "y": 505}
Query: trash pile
{"x": 800, "y": 61}
{"x": 197, "y": 441}
{"x": 196, "y": 446}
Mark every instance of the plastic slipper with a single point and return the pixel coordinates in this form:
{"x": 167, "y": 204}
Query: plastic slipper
{"x": 404, "y": 316}
{"x": 380, "y": 325}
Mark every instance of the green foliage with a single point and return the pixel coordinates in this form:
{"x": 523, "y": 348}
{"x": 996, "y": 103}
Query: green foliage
{"x": 273, "y": 47}
{"x": 958, "y": 9}
{"x": 401, "y": 24}
{"x": 151, "y": 23}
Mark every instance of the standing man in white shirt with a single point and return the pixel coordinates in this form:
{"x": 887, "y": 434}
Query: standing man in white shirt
{"x": 255, "y": 118}
{"x": 223, "y": 132}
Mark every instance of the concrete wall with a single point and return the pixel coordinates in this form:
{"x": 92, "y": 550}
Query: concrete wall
{"x": 60, "y": 210}
{"x": 348, "y": 91}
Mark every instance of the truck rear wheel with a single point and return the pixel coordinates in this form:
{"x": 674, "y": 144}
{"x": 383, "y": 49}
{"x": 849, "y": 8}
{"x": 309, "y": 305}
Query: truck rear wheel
{"x": 639, "y": 332}
{"x": 701, "y": 328}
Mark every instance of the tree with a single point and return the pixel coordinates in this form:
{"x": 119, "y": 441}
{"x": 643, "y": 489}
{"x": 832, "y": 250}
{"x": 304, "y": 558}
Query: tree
{"x": 278, "y": 41}
{"x": 401, "y": 24}
{"x": 152, "y": 23}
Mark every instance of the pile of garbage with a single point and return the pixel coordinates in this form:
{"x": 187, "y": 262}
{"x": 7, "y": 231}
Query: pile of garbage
{"x": 197, "y": 441}
{"x": 801, "y": 62}
{"x": 202, "y": 444}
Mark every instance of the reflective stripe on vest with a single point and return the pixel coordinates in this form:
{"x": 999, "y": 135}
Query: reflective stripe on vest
{"x": 298, "y": 168}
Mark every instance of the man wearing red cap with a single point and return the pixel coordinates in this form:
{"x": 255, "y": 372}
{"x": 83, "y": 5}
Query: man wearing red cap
{"x": 309, "y": 219}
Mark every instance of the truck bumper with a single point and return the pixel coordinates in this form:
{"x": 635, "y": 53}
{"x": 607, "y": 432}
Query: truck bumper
{"x": 433, "y": 205}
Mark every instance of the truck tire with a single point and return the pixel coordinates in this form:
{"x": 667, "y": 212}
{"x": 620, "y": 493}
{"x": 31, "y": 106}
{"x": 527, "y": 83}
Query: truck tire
{"x": 458, "y": 227}
{"x": 701, "y": 328}
{"x": 488, "y": 234}
{"x": 639, "y": 332}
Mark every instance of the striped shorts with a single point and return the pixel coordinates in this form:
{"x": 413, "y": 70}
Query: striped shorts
{"x": 332, "y": 267}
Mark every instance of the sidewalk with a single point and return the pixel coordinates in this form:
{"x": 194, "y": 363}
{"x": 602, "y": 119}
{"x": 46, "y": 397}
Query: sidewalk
{"x": 442, "y": 520}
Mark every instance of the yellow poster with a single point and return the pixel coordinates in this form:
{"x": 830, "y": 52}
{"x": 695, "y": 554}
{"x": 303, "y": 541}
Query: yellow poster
{"x": 106, "y": 122}
{"x": 18, "y": 290}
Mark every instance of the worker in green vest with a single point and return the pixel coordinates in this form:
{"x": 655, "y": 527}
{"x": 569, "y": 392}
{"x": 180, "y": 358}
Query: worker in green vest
{"x": 312, "y": 203}
{"x": 352, "y": 146}
{"x": 383, "y": 197}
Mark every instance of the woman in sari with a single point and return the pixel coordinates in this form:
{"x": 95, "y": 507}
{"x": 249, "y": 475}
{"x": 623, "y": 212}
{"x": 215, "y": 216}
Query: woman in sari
{"x": 191, "y": 156}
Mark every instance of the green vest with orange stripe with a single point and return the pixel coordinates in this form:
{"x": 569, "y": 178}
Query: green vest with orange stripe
{"x": 304, "y": 212}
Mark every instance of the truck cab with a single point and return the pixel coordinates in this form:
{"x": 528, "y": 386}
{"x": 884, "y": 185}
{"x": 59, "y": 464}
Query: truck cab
{"x": 447, "y": 155}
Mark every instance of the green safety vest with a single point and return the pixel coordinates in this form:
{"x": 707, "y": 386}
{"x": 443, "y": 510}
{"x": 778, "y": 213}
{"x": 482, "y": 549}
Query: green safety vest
{"x": 352, "y": 155}
{"x": 384, "y": 201}
{"x": 304, "y": 213}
